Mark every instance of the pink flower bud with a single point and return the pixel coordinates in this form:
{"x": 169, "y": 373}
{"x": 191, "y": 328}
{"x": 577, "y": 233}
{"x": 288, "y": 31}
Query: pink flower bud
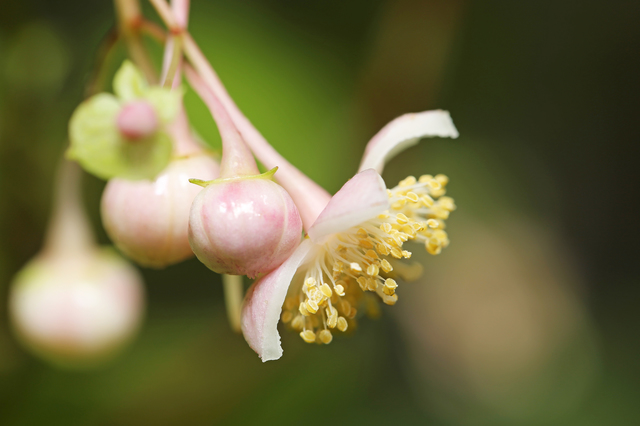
{"x": 137, "y": 120}
{"x": 244, "y": 226}
{"x": 76, "y": 310}
{"x": 148, "y": 221}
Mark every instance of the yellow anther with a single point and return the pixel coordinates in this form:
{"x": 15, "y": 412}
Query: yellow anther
{"x": 447, "y": 203}
{"x": 434, "y": 185}
{"x": 401, "y": 218}
{"x": 432, "y": 223}
{"x": 287, "y": 316}
{"x": 398, "y": 205}
{"x": 410, "y": 180}
{"x": 386, "y": 266}
{"x": 312, "y": 306}
{"x": 427, "y": 200}
{"x": 338, "y": 266}
{"x": 372, "y": 284}
{"x": 326, "y": 290}
{"x": 406, "y": 254}
{"x": 362, "y": 282}
{"x": 372, "y": 270}
{"x": 371, "y": 254}
{"x": 308, "y": 336}
{"x": 440, "y": 234}
{"x": 325, "y": 336}
{"x": 384, "y": 215}
{"x": 298, "y": 322}
{"x": 331, "y": 311}
{"x": 332, "y": 321}
{"x": 352, "y": 313}
{"x": 382, "y": 249}
{"x": 390, "y": 299}
{"x": 418, "y": 226}
{"x": 310, "y": 282}
{"x": 425, "y": 178}
{"x": 303, "y": 309}
{"x": 432, "y": 248}
{"x": 362, "y": 233}
{"x": 342, "y": 324}
{"x": 366, "y": 244}
{"x": 412, "y": 196}
{"x": 390, "y": 286}
{"x": 355, "y": 267}
{"x": 443, "y": 179}
{"x": 339, "y": 290}
{"x": 408, "y": 229}
{"x": 396, "y": 252}
{"x": 386, "y": 227}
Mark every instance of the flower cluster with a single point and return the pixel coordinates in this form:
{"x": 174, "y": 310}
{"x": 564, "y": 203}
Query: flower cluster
{"x": 167, "y": 199}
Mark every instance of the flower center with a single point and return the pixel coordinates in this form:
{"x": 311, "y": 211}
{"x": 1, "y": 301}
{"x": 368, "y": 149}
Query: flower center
{"x": 327, "y": 292}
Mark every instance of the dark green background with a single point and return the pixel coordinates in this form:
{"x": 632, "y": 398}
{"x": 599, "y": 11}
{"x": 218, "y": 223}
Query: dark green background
{"x": 545, "y": 96}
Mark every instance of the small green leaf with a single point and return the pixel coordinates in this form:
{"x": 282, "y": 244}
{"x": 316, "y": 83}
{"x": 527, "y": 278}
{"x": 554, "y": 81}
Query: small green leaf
{"x": 128, "y": 83}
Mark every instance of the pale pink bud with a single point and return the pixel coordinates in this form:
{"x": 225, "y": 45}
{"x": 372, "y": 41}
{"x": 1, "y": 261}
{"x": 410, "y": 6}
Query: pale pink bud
{"x": 137, "y": 120}
{"x": 76, "y": 310}
{"x": 244, "y": 226}
{"x": 148, "y": 220}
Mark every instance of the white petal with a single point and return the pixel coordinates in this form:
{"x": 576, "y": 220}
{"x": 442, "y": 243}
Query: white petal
{"x": 403, "y": 132}
{"x": 363, "y": 197}
{"x": 263, "y": 305}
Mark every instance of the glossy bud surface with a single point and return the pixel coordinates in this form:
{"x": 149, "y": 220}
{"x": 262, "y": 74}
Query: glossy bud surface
{"x": 244, "y": 226}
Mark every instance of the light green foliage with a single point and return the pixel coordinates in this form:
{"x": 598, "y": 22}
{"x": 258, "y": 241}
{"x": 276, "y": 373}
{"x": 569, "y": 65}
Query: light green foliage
{"x": 99, "y": 147}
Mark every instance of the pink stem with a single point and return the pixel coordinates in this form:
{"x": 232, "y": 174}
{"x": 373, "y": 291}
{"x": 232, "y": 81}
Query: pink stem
{"x": 237, "y": 160}
{"x": 184, "y": 143}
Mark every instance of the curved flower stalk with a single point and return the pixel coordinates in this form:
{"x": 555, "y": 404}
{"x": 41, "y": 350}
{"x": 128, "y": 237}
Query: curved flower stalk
{"x": 125, "y": 135}
{"x": 75, "y": 304}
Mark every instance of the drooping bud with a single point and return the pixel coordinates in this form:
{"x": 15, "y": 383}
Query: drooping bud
{"x": 244, "y": 226}
{"x": 243, "y": 223}
{"x": 77, "y": 311}
{"x": 148, "y": 220}
{"x": 75, "y": 304}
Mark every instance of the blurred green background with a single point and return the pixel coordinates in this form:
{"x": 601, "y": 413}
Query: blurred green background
{"x": 528, "y": 318}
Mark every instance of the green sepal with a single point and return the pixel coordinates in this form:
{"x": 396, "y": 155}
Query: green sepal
{"x": 128, "y": 83}
{"x": 204, "y": 183}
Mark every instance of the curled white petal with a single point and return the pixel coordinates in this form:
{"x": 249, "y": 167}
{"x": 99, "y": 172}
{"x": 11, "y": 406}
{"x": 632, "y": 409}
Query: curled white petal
{"x": 403, "y": 132}
{"x": 263, "y": 305}
{"x": 363, "y": 197}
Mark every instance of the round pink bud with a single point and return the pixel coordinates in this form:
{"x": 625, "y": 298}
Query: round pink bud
{"x": 148, "y": 220}
{"x": 244, "y": 227}
{"x": 79, "y": 310}
{"x": 137, "y": 120}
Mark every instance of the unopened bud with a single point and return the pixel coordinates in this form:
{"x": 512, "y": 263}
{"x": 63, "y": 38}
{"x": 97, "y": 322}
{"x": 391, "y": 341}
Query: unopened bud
{"x": 244, "y": 226}
{"x": 137, "y": 120}
{"x": 148, "y": 220}
{"x": 76, "y": 311}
